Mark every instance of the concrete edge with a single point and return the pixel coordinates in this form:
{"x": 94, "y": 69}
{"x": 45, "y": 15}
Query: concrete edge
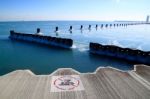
{"x": 59, "y": 69}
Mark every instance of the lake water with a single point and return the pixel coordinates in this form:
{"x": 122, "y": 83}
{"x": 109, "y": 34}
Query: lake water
{"x": 40, "y": 59}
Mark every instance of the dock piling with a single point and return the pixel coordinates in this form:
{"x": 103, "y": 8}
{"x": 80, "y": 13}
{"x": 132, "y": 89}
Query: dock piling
{"x": 101, "y": 25}
{"x": 70, "y": 29}
{"x": 89, "y": 28}
{"x": 81, "y": 28}
{"x": 38, "y": 30}
{"x": 106, "y": 25}
{"x": 56, "y": 29}
{"x": 96, "y": 27}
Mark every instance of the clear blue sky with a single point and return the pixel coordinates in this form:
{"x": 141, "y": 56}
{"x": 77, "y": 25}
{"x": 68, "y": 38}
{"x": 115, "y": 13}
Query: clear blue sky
{"x": 74, "y": 10}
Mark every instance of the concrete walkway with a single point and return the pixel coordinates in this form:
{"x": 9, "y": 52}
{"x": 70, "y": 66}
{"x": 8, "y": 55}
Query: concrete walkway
{"x": 105, "y": 83}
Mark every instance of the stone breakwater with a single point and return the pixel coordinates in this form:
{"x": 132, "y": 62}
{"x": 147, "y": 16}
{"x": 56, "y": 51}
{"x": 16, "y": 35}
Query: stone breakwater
{"x": 123, "y": 53}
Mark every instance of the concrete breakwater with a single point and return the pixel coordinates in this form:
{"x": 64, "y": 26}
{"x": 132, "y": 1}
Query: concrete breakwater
{"x": 123, "y": 53}
{"x": 41, "y": 39}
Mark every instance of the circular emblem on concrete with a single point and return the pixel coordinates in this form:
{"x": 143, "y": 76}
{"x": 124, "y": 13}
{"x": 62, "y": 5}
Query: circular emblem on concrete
{"x": 66, "y": 83}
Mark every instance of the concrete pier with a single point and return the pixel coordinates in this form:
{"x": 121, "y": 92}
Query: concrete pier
{"x": 66, "y": 83}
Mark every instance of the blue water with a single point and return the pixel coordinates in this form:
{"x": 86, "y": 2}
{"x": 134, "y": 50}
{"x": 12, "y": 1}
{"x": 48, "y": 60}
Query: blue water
{"x": 40, "y": 59}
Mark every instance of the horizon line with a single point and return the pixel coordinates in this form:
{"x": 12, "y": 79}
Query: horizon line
{"x": 73, "y": 20}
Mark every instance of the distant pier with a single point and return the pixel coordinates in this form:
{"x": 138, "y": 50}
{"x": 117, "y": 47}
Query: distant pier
{"x": 102, "y": 26}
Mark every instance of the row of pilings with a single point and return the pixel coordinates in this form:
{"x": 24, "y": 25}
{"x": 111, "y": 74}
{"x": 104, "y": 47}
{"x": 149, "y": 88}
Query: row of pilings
{"x": 97, "y": 26}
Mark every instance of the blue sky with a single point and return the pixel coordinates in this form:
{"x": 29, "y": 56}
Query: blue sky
{"x": 107, "y": 10}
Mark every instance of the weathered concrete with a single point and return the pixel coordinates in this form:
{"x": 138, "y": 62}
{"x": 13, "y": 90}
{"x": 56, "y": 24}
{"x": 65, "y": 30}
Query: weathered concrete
{"x": 105, "y": 83}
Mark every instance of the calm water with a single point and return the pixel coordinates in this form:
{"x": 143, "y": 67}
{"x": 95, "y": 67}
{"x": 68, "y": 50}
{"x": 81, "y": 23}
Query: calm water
{"x": 44, "y": 60}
